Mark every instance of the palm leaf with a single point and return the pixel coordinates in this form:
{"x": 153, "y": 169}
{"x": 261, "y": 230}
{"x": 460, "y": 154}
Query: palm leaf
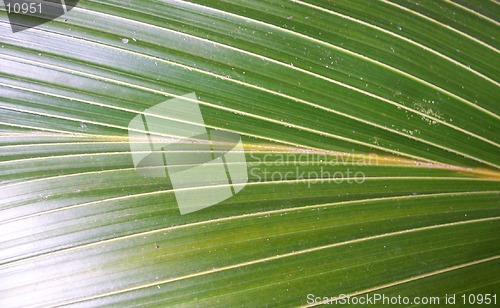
{"x": 396, "y": 101}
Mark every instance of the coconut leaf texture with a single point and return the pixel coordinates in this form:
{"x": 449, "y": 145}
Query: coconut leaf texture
{"x": 359, "y": 140}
